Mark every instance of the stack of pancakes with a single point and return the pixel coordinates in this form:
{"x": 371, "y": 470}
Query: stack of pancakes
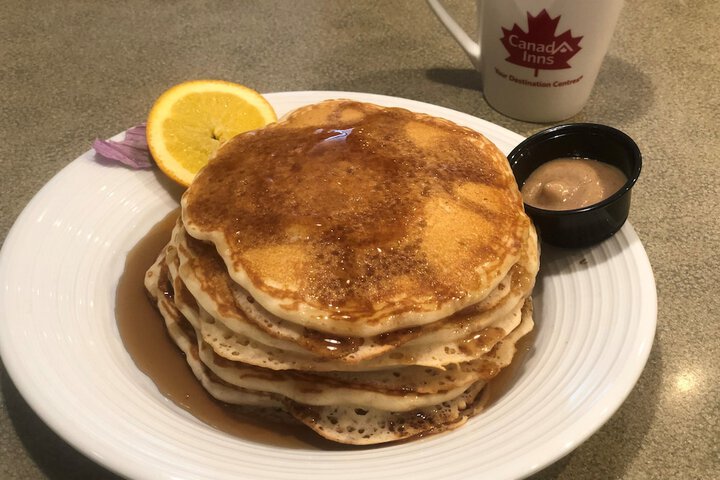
{"x": 364, "y": 270}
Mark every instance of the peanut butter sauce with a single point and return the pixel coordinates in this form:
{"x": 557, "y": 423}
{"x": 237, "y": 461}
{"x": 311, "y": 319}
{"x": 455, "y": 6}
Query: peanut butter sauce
{"x": 570, "y": 183}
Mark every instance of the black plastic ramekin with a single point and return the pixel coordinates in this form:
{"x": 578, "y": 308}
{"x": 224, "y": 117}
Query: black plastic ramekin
{"x": 589, "y": 225}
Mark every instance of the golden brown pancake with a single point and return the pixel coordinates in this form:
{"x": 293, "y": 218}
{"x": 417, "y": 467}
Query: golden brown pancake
{"x": 358, "y": 220}
{"x": 243, "y": 321}
{"x": 370, "y": 417}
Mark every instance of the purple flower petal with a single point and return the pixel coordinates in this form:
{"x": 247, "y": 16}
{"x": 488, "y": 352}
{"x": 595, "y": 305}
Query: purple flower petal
{"x": 132, "y": 151}
{"x": 136, "y": 136}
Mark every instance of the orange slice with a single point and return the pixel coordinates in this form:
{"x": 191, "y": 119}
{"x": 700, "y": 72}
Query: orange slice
{"x": 188, "y": 123}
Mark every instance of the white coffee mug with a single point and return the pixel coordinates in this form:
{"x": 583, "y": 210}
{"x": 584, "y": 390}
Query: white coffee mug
{"x": 538, "y": 59}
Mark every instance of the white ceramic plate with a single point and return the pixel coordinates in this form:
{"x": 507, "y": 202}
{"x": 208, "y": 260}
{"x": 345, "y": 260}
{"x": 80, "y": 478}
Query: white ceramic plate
{"x": 595, "y": 317}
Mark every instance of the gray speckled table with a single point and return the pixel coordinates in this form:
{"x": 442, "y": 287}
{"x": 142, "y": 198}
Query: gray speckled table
{"x": 76, "y": 70}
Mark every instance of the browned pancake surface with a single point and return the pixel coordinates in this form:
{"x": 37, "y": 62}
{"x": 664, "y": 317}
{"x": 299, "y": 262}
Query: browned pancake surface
{"x": 350, "y": 217}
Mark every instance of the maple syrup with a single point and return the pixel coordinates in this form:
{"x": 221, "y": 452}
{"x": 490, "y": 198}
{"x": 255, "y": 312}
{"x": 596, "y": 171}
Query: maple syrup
{"x": 504, "y": 380}
{"x": 143, "y": 333}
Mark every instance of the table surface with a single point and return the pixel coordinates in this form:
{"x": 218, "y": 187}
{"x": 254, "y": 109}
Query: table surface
{"x": 75, "y": 70}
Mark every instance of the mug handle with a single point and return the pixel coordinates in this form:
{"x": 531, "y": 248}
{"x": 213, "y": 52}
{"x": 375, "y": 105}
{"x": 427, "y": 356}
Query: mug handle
{"x": 471, "y": 48}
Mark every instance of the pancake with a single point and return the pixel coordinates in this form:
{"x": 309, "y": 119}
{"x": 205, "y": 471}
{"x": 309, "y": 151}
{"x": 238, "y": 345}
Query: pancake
{"x": 398, "y": 389}
{"x": 159, "y": 287}
{"x": 385, "y": 394}
{"x": 360, "y": 426}
{"x": 356, "y": 219}
{"x": 346, "y": 424}
{"x": 239, "y": 348}
{"x": 369, "y": 416}
{"x": 212, "y": 288}
{"x": 362, "y": 270}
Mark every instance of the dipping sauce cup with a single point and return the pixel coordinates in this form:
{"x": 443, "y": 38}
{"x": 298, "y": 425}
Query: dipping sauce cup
{"x": 592, "y": 224}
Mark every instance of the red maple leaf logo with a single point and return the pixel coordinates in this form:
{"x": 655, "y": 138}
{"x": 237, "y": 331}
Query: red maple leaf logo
{"x": 539, "y": 48}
